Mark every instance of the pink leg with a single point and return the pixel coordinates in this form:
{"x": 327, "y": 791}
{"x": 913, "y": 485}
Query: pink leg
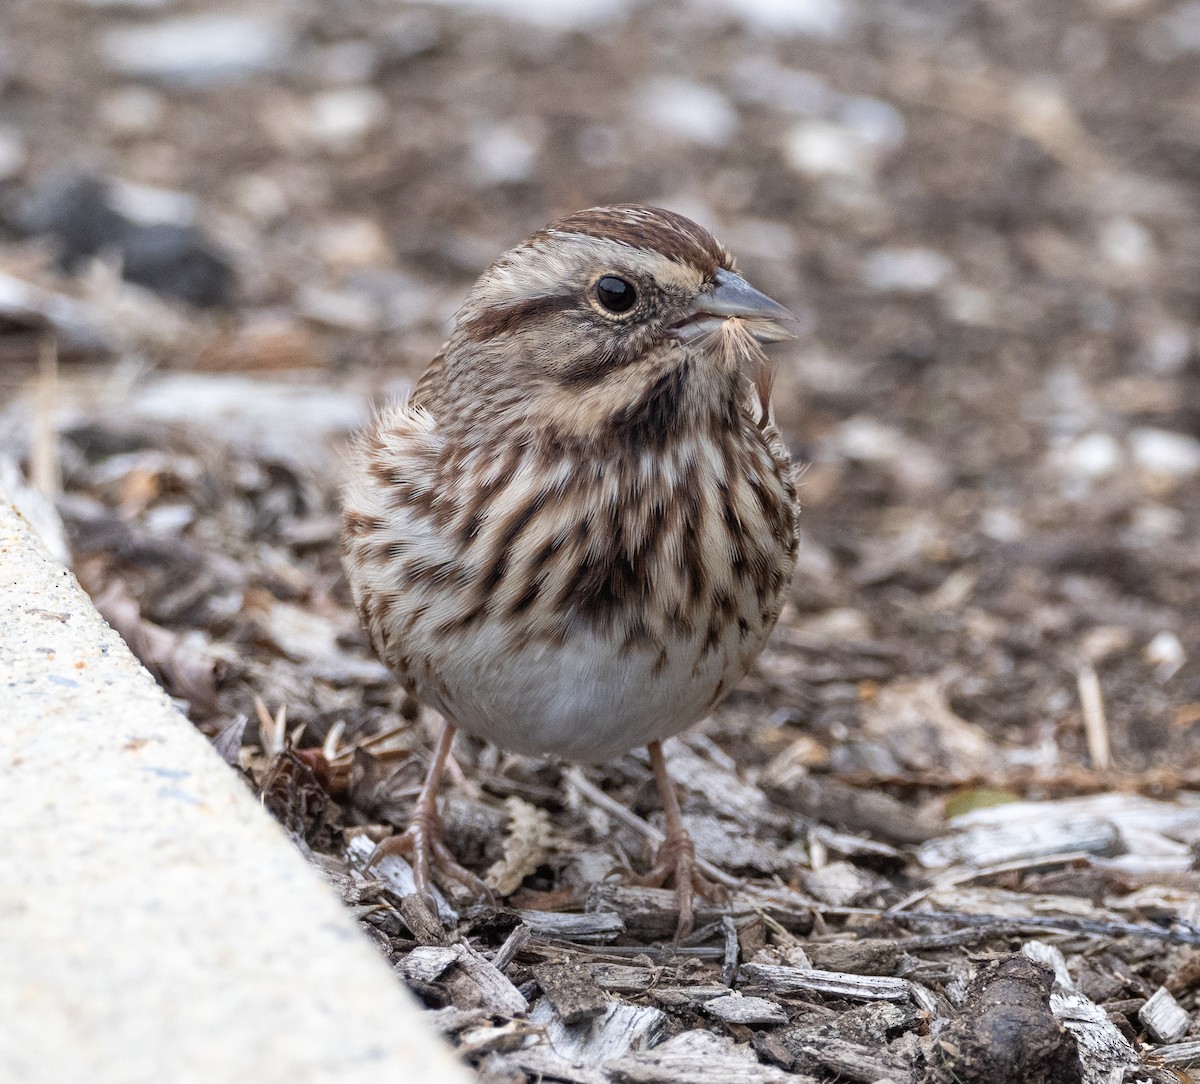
{"x": 422, "y": 842}
{"x": 676, "y": 857}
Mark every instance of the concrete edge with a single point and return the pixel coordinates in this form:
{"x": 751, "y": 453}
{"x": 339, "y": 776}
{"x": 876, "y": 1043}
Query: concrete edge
{"x": 155, "y": 923}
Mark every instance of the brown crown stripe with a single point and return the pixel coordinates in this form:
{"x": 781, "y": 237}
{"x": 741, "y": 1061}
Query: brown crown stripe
{"x": 652, "y": 228}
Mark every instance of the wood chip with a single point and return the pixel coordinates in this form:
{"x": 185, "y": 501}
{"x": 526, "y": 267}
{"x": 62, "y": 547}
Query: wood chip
{"x": 868, "y": 956}
{"x": 422, "y": 923}
{"x": 621, "y": 1029}
{"x": 426, "y": 963}
{"x": 796, "y": 980}
{"x": 572, "y": 991}
{"x": 1103, "y": 1051}
{"x": 475, "y": 983}
{"x": 1163, "y": 1017}
{"x": 857, "y": 1061}
{"x": 592, "y": 927}
{"x": 624, "y": 979}
{"x": 739, "y": 1009}
{"x": 1180, "y": 1054}
{"x": 697, "y": 1057}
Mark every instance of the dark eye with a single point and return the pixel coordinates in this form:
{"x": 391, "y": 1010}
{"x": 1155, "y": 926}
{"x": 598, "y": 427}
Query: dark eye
{"x": 615, "y": 294}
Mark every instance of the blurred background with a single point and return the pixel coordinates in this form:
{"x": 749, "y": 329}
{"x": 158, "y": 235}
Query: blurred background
{"x": 227, "y": 227}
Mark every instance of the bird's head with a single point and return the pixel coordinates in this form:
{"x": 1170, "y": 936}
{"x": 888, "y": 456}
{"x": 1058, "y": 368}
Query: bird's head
{"x": 604, "y": 308}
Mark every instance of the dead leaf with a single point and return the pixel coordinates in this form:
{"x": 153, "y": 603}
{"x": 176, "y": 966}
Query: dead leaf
{"x": 527, "y": 845}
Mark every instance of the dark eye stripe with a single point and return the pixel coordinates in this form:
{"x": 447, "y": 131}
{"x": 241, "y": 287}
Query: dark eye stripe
{"x": 505, "y": 318}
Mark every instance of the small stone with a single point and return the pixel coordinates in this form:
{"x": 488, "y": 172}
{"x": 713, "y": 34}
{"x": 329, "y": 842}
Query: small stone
{"x": 1126, "y": 245}
{"x": 867, "y": 440}
{"x": 906, "y": 270}
{"x": 969, "y": 305}
{"x": 179, "y": 262}
{"x": 132, "y": 111}
{"x": 343, "y": 309}
{"x": 877, "y": 123}
{"x": 1091, "y": 456}
{"x": 1167, "y": 350}
{"x": 1173, "y": 34}
{"x": 354, "y": 242}
{"x": 1163, "y": 451}
{"x": 125, "y": 5}
{"x": 1165, "y": 653}
{"x": 689, "y": 111}
{"x": 261, "y": 197}
{"x": 198, "y": 49}
{"x": 505, "y": 154}
{"x": 1001, "y": 524}
{"x": 820, "y": 148}
{"x": 757, "y": 79}
{"x": 341, "y": 119}
{"x": 346, "y": 63}
{"x": 810, "y": 18}
{"x": 12, "y": 154}
{"x": 561, "y": 15}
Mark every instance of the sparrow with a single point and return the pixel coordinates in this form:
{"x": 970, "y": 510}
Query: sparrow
{"x": 575, "y": 535}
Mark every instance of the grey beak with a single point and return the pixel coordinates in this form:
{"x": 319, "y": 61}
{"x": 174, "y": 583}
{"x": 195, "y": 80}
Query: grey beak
{"x": 732, "y": 296}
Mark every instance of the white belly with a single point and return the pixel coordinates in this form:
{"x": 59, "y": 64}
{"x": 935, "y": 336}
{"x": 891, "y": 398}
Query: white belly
{"x": 585, "y": 700}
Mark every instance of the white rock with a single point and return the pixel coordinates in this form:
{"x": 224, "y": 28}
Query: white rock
{"x": 821, "y": 148}
{"x": 1151, "y": 523}
{"x": 12, "y": 154}
{"x": 1163, "y": 451}
{"x": 1126, "y": 244}
{"x": 971, "y": 305}
{"x": 1001, "y": 524}
{"x": 343, "y": 309}
{"x": 261, "y": 197}
{"x": 870, "y": 441}
{"x": 811, "y": 18}
{"x": 550, "y": 14}
{"x": 1165, "y": 653}
{"x": 209, "y": 48}
{"x": 505, "y": 153}
{"x": 347, "y": 63}
{"x": 340, "y": 119}
{"x": 126, "y": 5}
{"x": 353, "y": 242}
{"x": 689, "y": 111}
{"x": 1167, "y": 350}
{"x": 760, "y": 80}
{"x": 132, "y": 111}
{"x": 147, "y": 204}
{"x": 877, "y": 123}
{"x": 1093, "y": 455}
{"x": 1173, "y": 34}
{"x": 906, "y": 270}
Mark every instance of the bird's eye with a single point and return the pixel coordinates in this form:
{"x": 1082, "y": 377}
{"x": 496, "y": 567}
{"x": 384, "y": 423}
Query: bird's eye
{"x": 615, "y": 294}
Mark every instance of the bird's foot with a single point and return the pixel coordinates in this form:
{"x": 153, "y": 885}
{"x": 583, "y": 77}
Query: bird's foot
{"x": 422, "y": 843}
{"x": 676, "y": 861}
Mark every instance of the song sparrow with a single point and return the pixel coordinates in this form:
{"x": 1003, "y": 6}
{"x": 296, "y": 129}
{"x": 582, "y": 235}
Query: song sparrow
{"x": 576, "y": 535}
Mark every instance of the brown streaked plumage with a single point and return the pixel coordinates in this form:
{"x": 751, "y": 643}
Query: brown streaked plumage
{"x": 577, "y": 534}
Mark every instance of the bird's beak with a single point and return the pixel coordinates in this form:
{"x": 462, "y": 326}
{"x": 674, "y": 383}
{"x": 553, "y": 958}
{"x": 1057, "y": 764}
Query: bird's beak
{"x": 731, "y": 296}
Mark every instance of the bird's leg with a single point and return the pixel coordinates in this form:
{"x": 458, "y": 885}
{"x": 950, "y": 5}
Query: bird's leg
{"x": 676, "y": 857}
{"x": 422, "y": 841}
